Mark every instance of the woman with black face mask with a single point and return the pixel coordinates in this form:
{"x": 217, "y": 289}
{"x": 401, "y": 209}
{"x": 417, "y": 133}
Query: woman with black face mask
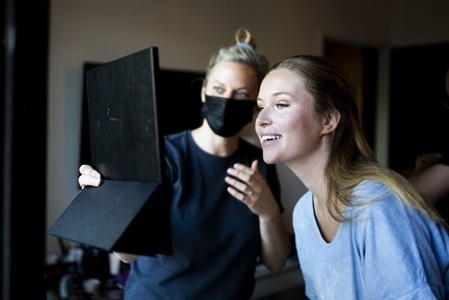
{"x": 225, "y": 208}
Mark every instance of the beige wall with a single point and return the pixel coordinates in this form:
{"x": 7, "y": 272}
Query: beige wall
{"x": 188, "y": 32}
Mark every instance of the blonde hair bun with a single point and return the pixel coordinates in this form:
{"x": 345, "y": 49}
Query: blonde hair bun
{"x": 244, "y": 39}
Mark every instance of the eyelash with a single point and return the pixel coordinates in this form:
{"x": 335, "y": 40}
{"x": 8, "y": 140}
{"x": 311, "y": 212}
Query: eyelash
{"x": 279, "y": 105}
{"x": 282, "y": 105}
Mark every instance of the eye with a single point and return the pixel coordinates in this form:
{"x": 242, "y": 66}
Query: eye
{"x": 282, "y": 105}
{"x": 218, "y": 89}
{"x": 242, "y": 95}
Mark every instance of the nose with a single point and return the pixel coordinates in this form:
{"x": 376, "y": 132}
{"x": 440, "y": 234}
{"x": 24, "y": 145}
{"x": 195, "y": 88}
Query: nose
{"x": 262, "y": 119}
{"x": 228, "y": 94}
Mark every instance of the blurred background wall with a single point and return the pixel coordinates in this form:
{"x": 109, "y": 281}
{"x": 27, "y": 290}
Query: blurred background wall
{"x": 188, "y": 32}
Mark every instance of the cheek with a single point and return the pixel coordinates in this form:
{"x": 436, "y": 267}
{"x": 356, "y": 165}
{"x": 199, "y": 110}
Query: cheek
{"x": 298, "y": 123}
{"x": 302, "y": 130}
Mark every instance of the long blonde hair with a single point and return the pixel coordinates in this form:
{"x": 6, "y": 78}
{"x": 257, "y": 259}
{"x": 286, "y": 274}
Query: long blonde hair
{"x": 352, "y": 159}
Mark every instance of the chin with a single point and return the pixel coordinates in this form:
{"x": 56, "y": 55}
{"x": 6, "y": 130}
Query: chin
{"x": 269, "y": 159}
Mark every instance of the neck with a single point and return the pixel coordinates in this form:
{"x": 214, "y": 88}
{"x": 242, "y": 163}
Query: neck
{"x": 310, "y": 170}
{"x": 327, "y": 224}
{"x": 212, "y": 143}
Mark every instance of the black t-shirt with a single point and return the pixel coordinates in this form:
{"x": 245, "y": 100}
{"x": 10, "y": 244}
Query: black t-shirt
{"x": 216, "y": 238}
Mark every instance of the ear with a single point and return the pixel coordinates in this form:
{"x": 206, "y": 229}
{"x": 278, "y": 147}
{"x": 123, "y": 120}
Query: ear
{"x": 331, "y": 121}
{"x": 203, "y": 93}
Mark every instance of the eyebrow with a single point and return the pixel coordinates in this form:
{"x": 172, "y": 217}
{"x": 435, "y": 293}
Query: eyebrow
{"x": 279, "y": 94}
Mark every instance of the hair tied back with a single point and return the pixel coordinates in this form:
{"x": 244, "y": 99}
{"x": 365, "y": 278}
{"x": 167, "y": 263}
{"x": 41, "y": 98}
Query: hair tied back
{"x": 244, "y": 40}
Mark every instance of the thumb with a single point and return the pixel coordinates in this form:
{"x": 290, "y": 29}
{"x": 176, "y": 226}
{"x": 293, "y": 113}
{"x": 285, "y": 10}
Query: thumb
{"x": 255, "y": 165}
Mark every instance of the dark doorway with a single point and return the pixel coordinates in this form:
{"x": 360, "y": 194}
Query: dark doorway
{"x": 419, "y": 120}
{"x": 361, "y": 62}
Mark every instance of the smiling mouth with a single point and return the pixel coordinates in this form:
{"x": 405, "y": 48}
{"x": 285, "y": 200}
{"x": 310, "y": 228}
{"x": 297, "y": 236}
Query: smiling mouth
{"x": 266, "y": 138}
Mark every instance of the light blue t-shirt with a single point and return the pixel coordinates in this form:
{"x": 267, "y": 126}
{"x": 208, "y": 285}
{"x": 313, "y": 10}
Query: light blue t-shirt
{"x": 389, "y": 251}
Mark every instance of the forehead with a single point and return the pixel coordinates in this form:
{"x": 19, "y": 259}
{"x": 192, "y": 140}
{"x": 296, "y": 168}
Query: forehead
{"x": 233, "y": 71}
{"x": 282, "y": 81}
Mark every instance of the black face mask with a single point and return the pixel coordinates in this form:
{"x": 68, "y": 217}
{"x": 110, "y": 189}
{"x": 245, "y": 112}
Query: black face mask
{"x": 226, "y": 117}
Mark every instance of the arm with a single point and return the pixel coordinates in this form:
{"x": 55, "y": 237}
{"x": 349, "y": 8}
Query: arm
{"x": 276, "y": 242}
{"x": 431, "y": 176}
{"x": 252, "y": 189}
{"x": 433, "y": 182}
{"x": 91, "y": 177}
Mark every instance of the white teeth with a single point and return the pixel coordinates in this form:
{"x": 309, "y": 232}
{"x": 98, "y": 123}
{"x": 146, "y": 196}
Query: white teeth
{"x": 270, "y": 137}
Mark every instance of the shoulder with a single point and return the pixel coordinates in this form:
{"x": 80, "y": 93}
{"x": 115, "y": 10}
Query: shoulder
{"x": 372, "y": 192}
{"x": 176, "y": 137}
{"x": 303, "y": 220}
{"x": 369, "y": 186}
{"x": 375, "y": 200}
{"x": 178, "y": 141}
{"x": 377, "y": 208}
{"x": 377, "y": 213}
{"x": 303, "y": 204}
{"x": 177, "y": 148}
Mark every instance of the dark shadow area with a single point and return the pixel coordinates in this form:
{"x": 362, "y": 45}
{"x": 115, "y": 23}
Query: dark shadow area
{"x": 419, "y": 122}
{"x": 24, "y": 72}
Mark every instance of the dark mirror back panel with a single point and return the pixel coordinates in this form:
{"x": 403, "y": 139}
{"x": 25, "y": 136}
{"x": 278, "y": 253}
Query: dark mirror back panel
{"x": 180, "y": 104}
